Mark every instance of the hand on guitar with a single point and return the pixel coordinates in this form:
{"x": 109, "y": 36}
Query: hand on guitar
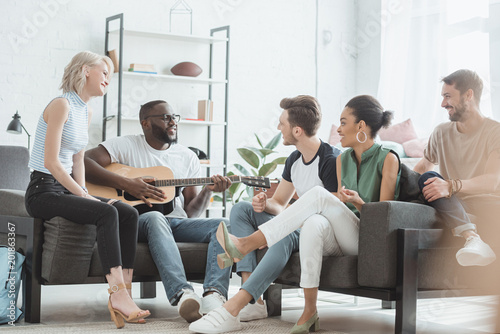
{"x": 138, "y": 188}
{"x": 259, "y": 202}
{"x": 221, "y": 183}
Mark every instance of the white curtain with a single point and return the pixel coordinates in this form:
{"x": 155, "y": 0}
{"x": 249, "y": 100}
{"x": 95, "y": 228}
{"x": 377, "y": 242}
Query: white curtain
{"x": 423, "y": 41}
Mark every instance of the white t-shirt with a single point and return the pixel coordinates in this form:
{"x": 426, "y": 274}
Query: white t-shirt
{"x": 134, "y": 151}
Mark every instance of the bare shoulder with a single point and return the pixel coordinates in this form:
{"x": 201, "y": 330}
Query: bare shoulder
{"x": 391, "y": 162}
{"x": 59, "y": 102}
{"x": 58, "y": 107}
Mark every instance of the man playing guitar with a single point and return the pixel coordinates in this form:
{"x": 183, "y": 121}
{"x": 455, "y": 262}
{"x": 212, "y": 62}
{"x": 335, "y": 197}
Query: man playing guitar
{"x": 161, "y": 230}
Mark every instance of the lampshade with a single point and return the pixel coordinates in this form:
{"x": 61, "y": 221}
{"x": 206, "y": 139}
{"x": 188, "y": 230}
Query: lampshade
{"x": 15, "y": 125}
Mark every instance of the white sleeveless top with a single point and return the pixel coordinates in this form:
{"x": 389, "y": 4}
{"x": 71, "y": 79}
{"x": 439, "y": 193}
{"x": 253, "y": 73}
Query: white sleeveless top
{"x": 74, "y": 136}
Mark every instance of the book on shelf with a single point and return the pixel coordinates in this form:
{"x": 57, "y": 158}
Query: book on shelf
{"x": 143, "y": 67}
{"x": 206, "y": 110}
{"x": 136, "y": 71}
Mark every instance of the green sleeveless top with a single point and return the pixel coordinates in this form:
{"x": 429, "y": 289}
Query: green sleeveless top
{"x": 367, "y": 182}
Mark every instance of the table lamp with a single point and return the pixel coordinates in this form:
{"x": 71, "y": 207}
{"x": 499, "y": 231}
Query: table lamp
{"x": 16, "y": 127}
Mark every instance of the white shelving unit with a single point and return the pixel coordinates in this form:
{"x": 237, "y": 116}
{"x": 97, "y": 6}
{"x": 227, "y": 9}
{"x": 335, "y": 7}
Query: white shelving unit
{"x": 164, "y": 45}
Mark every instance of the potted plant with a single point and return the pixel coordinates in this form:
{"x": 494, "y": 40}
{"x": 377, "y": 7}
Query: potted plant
{"x": 257, "y": 158}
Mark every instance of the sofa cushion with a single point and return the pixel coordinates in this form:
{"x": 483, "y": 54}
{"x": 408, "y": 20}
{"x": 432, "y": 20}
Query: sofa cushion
{"x": 334, "y": 138}
{"x": 415, "y": 148}
{"x": 399, "y": 133}
{"x": 409, "y": 190}
{"x": 14, "y": 165}
{"x": 67, "y": 251}
{"x": 13, "y": 203}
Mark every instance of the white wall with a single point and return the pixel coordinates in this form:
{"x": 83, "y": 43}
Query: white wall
{"x": 274, "y": 54}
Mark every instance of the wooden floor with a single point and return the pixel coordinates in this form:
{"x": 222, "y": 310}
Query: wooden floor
{"x": 471, "y": 315}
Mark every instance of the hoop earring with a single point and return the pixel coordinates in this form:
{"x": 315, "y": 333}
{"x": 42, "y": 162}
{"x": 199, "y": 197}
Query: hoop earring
{"x": 357, "y": 137}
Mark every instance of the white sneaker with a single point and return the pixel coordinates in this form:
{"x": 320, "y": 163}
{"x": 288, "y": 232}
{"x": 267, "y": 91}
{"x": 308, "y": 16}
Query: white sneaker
{"x": 253, "y": 312}
{"x": 211, "y": 302}
{"x": 216, "y": 321}
{"x": 189, "y": 306}
{"x": 475, "y": 253}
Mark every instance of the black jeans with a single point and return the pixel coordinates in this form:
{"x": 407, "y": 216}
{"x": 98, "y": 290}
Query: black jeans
{"x": 116, "y": 224}
{"x": 451, "y": 210}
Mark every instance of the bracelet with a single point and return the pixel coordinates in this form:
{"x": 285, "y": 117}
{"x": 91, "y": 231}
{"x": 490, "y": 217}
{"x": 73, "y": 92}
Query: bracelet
{"x": 85, "y": 189}
{"x": 450, "y": 188}
{"x": 454, "y": 186}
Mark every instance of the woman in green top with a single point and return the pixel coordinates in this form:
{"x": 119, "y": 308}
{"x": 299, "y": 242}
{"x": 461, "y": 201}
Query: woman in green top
{"x": 366, "y": 173}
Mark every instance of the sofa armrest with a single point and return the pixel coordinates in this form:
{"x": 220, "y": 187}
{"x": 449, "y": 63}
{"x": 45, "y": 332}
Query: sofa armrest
{"x": 12, "y": 203}
{"x": 378, "y": 228}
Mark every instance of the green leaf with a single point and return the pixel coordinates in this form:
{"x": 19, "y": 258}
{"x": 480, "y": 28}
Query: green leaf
{"x": 249, "y": 156}
{"x": 279, "y": 161}
{"x": 217, "y": 198}
{"x": 267, "y": 169}
{"x": 266, "y": 151}
{"x": 234, "y": 187}
{"x": 258, "y": 140}
{"x": 274, "y": 142}
{"x": 257, "y": 151}
{"x": 242, "y": 169}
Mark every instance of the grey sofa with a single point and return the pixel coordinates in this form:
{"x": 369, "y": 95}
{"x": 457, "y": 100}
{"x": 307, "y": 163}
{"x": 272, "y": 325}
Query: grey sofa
{"x": 403, "y": 254}
{"x": 61, "y": 252}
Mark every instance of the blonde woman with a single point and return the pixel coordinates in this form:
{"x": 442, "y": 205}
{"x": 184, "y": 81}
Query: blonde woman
{"x": 57, "y": 186}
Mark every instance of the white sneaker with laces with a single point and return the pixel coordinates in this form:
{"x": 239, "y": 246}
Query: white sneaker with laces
{"x": 475, "y": 253}
{"x": 253, "y": 312}
{"x": 216, "y": 321}
{"x": 211, "y": 302}
{"x": 189, "y": 306}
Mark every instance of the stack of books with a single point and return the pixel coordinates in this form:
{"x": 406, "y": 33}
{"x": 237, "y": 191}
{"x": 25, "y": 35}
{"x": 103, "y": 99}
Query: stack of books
{"x": 142, "y": 68}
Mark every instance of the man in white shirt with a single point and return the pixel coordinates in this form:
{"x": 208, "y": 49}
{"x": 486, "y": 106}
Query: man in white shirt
{"x": 159, "y": 227}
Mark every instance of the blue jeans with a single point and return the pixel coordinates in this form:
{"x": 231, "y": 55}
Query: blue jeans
{"x": 245, "y": 221}
{"x": 161, "y": 233}
{"x": 451, "y": 210}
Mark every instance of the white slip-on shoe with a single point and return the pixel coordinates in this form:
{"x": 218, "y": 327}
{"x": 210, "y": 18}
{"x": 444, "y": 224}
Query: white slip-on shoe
{"x": 216, "y": 321}
{"x": 189, "y": 306}
{"x": 475, "y": 253}
{"x": 253, "y": 312}
{"x": 211, "y": 302}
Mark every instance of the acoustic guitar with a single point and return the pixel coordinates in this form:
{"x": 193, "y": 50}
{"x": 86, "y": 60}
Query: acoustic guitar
{"x": 163, "y": 178}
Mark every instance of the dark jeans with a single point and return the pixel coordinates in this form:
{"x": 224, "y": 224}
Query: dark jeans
{"x": 116, "y": 224}
{"x": 451, "y": 210}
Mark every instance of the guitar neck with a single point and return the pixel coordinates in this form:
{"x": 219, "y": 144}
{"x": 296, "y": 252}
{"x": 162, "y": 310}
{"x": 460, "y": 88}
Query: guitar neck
{"x": 197, "y": 181}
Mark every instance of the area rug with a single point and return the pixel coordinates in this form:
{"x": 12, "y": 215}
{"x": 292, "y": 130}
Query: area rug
{"x": 170, "y": 326}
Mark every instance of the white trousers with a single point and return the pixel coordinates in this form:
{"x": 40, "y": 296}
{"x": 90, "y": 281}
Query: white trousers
{"x": 328, "y": 227}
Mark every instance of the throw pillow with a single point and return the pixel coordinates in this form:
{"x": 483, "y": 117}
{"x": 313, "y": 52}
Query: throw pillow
{"x": 400, "y": 133}
{"x": 334, "y": 136}
{"x": 415, "y": 148}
